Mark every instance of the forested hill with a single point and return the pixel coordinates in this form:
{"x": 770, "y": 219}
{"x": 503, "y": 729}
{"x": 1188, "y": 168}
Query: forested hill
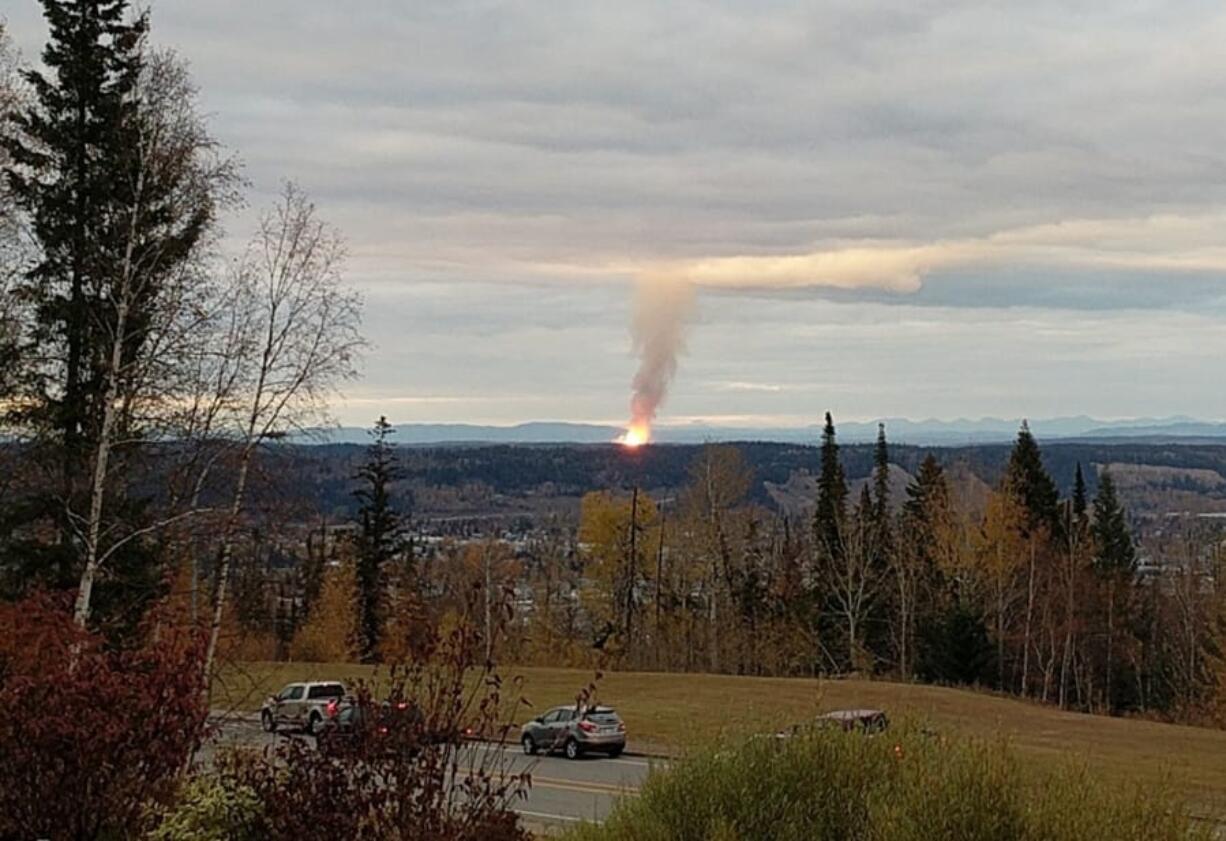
{"x": 1154, "y": 478}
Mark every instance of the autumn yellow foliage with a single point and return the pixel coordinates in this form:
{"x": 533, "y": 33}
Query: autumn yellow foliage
{"x": 330, "y": 631}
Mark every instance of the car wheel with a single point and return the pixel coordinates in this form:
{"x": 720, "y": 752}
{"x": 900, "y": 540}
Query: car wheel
{"x": 529, "y": 746}
{"x": 267, "y": 722}
{"x": 616, "y": 752}
{"x": 312, "y": 723}
{"x": 573, "y": 751}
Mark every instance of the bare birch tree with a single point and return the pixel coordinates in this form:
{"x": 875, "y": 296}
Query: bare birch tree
{"x": 719, "y": 480}
{"x": 294, "y": 335}
{"x": 14, "y": 244}
{"x": 175, "y": 181}
{"x": 853, "y": 581}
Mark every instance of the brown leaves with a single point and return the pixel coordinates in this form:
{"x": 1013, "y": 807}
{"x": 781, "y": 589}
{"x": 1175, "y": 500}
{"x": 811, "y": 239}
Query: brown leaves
{"x": 92, "y": 734}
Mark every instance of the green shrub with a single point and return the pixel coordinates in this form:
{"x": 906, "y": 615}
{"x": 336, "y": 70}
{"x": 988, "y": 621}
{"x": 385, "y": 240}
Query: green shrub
{"x": 209, "y": 810}
{"x": 907, "y": 785}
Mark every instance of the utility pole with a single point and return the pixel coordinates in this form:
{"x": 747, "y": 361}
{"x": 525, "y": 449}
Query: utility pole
{"x": 489, "y": 637}
{"x": 631, "y": 563}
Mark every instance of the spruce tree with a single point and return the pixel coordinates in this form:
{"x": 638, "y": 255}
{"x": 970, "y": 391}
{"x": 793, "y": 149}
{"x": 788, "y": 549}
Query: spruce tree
{"x": 1080, "y": 505}
{"x": 830, "y": 517}
{"x": 1115, "y": 564}
{"x": 926, "y": 512}
{"x": 1030, "y": 482}
{"x": 927, "y": 493}
{"x": 881, "y": 493}
{"x": 380, "y": 539}
{"x": 1114, "y": 552}
{"x": 119, "y": 181}
{"x": 69, "y": 151}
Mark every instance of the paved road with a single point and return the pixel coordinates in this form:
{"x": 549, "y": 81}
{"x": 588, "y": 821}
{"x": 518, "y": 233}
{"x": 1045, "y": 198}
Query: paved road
{"x": 563, "y": 790}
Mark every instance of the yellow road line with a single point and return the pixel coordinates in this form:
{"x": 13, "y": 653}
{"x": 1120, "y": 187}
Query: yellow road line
{"x": 581, "y": 786}
{"x": 578, "y": 785}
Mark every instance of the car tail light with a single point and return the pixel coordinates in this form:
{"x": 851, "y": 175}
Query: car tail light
{"x": 621, "y": 726}
{"x": 587, "y": 727}
{"x": 331, "y": 709}
{"x": 403, "y": 705}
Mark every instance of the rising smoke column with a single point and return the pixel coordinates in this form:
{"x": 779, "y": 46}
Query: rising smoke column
{"x": 662, "y": 309}
{"x": 665, "y": 297}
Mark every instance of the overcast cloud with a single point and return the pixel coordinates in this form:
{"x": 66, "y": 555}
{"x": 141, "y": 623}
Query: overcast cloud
{"x": 910, "y": 208}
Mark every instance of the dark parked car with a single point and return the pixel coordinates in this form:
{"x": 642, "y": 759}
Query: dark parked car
{"x": 380, "y": 729}
{"x": 860, "y": 721}
{"x": 575, "y": 731}
{"x": 864, "y": 721}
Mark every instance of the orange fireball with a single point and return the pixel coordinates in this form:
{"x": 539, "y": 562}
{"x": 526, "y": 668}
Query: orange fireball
{"x": 636, "y": 435}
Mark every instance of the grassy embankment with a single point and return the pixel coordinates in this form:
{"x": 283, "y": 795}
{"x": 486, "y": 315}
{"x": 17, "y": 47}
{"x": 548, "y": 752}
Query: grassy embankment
{"x": 668, "y": 711}
{"x": 908, "y": 787}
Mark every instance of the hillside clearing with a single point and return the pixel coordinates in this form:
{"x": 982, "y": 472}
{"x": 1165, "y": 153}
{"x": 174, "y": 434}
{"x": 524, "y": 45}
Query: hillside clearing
{"x": 670, "y": 711}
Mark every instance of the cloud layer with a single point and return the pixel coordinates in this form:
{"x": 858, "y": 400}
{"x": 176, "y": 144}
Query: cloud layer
{"x": 873, "y": 182}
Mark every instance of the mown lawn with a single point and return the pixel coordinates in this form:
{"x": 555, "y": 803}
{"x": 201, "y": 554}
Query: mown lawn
{"x": 669, "y": 711}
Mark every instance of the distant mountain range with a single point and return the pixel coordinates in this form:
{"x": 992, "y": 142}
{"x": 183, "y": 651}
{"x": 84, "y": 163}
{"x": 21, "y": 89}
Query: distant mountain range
{"x": 960, "y": 431}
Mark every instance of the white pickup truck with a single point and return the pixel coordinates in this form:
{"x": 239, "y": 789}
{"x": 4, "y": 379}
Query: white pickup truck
{"x": 301, "y": 705}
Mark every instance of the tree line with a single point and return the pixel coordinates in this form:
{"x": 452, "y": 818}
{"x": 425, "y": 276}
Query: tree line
{"x": 1034, "y": 594}
{"x": 1023, "y": 592}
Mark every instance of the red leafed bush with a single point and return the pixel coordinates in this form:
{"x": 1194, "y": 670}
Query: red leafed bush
{"x": 413, "y": 775}
{"x": 91, "y": 735}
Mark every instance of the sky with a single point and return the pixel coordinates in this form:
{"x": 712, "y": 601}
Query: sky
{"x": 906, "y": 208}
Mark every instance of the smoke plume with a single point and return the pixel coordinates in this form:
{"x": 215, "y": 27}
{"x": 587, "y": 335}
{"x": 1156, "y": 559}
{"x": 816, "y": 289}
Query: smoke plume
{"x": 662, "y": 309}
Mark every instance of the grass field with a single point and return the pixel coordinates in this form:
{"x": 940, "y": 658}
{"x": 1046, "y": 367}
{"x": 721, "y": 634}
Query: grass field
{"x": 669, "y": 711}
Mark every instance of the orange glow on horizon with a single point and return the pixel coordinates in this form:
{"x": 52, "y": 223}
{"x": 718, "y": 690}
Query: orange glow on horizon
{"x": 635, "y": 436}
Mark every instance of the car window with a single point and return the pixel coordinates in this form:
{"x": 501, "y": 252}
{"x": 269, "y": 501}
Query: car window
{"x": 292, "y": 693}
{"x": 552, "y": 717}
{"x": 326, "y": 690}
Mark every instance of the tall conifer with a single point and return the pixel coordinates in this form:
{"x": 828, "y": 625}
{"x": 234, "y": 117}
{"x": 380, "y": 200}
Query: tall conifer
{"x": 830, "y": 518}
{"x": 69, "y": 151}
{"x": 380, "y": 538}
{"x": 881, "y": 493}
{"x": 1029, "y": 481}
{"x": 1080, "y": 505}
{"x": 1114, "y": 552}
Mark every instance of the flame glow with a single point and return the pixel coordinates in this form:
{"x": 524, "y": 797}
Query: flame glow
{"x": 636, "y": 435}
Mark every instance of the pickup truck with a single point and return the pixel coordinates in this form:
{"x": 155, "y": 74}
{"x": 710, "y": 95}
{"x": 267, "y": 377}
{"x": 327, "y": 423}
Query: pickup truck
{"x": 301, "y": 706}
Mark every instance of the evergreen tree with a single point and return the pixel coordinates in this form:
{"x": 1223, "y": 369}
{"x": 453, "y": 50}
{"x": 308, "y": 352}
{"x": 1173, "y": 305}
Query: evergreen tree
{"x": 955, "y": 647}
{"x": 1115, "y": 563}
{"x": 1114, "y": 552}
{"x": 69, "y": 152}
{"x": 1079, "y": 494}
{"x": 830, "y": 518}
{"x": 1030, "y": 482}
{"x": 881, "y": 494}
{"x": 380, "y": 539}
{"x": 311, "y": 568}
{"x": 117, "y": 176}
{"x": 927, "y": 493}
{"x": 923, "y": 597}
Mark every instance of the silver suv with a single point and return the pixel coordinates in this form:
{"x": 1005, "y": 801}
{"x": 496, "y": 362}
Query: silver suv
{"x": 301, "y": 705}
{"x": 574, "y": 731}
